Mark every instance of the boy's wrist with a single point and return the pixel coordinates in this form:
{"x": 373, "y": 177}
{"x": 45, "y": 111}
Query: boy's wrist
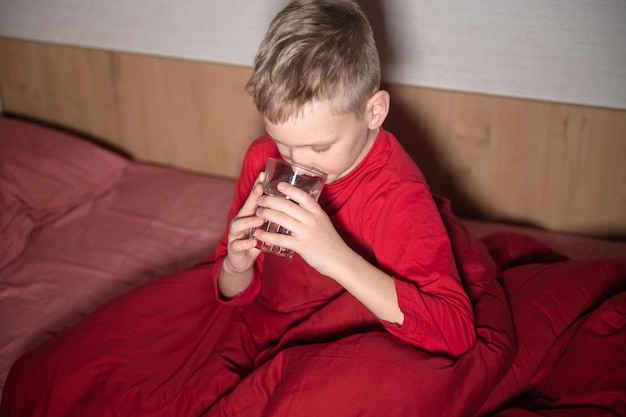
{"x": 228, "y": 268}
{"x": 231, "y": 282}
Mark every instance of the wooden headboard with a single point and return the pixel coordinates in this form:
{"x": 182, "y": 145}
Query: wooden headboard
{"x": 551, "y": 165}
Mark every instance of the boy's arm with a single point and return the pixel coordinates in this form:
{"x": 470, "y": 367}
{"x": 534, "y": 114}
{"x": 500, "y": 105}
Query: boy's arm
{"x": 437, "y": 317}
{"x": 410, "y": 242}
{"x": 368, "y": 284}
{"x": 237, "y": 269}
{"x": 236, "y": 257}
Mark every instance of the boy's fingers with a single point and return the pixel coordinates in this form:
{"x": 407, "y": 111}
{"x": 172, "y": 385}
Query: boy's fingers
{"x": 244, "y": 223}
{"x": 301, "y": 197}
{"x": 249, "y": 206}
{"x": 242, "y": 245}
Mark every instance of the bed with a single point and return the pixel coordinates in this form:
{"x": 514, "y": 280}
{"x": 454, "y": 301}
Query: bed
{"x": 85, "y": 227}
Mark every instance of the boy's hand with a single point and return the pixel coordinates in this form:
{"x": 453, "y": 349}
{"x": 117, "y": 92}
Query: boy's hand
{"x": 313, "y": 236}
{"x": 242, "y": 251}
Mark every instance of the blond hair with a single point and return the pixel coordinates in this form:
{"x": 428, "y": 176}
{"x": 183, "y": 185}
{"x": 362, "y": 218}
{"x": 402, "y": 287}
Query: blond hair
{"x": 315, "y": 50}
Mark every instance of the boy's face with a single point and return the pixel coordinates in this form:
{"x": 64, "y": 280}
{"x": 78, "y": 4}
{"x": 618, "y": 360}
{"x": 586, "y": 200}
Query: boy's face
{"x": 322, "y": 141}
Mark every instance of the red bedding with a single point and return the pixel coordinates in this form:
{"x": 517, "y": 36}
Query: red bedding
{"x": 80, "y": 226}
{"x": 551, "y": 339}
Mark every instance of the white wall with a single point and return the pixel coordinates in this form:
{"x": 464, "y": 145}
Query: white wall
{"x": 560, "y": 50}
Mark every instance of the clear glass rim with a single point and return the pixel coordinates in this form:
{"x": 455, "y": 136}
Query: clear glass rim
{"x": 308, "y": 171}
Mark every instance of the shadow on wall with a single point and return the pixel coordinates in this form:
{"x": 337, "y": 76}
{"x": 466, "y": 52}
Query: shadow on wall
{"x": 406, "y": 124}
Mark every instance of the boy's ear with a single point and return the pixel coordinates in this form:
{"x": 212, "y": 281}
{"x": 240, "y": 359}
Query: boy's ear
{"x": 378, "y": 109}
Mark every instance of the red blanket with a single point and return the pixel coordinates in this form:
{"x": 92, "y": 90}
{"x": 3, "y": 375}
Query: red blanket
{"x": 550, "y": 332}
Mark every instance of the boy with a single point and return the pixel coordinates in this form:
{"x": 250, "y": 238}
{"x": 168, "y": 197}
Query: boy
{"x": 376, "y": 231}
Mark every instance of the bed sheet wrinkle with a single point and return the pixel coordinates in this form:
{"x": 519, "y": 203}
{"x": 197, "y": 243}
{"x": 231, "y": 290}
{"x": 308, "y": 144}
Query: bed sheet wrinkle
{"x": 573, "y": 373}
{"x": 178, "y": 197}
{"x": 538, "y": 334}
{"x": 115, "y": 244}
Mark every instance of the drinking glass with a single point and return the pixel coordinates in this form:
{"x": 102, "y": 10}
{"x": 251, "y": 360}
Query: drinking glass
{"x": 277, "y": 171}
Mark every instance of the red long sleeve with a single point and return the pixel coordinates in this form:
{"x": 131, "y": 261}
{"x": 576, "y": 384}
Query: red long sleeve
{"x": 385, "y": 212}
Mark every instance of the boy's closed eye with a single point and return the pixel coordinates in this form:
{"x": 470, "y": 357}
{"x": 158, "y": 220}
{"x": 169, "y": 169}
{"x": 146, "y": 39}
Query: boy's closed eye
{"x": 321, "y": 150}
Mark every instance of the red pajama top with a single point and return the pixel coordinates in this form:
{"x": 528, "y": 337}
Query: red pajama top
{"x": 384, "y": 210}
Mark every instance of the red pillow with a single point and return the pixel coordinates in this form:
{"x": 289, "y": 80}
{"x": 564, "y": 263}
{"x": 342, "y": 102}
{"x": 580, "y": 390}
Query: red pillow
{"x": 44, "y": 173}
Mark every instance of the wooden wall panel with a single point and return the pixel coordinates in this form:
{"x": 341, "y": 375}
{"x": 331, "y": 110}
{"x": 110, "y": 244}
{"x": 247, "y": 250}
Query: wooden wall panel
{"x": 185, "y": 113}
{"x": 556, "y": 166}
{"x": 70, "y": 87}
{"x": 551, "y": 165}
